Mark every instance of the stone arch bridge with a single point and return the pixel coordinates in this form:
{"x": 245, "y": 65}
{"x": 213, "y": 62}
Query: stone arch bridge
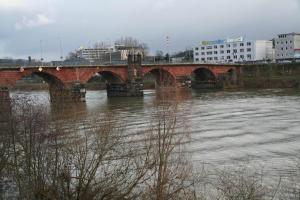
{"x": 122, "y": 80}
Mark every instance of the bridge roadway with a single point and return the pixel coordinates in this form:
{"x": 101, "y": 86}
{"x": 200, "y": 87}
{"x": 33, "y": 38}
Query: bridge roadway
{"x": 65, "y": 77}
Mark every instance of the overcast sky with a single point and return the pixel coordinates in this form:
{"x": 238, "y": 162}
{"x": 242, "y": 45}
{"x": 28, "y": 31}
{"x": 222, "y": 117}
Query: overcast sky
{"x": 24, "y": 23}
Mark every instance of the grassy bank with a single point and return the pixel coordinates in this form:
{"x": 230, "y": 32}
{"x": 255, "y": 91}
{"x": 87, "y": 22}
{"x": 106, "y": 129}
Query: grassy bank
{"x": 271, "y": 76}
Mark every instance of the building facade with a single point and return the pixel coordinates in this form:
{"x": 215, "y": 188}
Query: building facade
{"x": 287, "y": 46}
{"x": 115, "y": 53}
{"x": 233, "y": 50}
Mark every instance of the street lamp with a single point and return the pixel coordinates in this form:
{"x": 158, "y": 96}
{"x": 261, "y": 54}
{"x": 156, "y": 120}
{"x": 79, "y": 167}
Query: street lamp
{"x": 41, "y": 47}
{"x": 61, "y": 51}
{"x": 167, "y": 45}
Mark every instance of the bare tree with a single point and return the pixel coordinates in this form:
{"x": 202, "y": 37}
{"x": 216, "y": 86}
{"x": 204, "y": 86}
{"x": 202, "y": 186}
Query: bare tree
{"x": 172, "y": 173}
{"x": 133, "y": 44}
{"x": 92, "y": 161}
{"x": 128, "y": 42}
{"x": 240, "y": 183}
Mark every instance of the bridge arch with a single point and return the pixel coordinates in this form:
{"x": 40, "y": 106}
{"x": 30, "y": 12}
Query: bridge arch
{"x": 106, "y": 76}
{"x": 203, "y": 78}
{"x": 162, "y": 77}
{"x": 51, "y": 79}
{"x": 230, "y": 77}
{"x": 57, "y": 87}
{"x": 203, "y": 74}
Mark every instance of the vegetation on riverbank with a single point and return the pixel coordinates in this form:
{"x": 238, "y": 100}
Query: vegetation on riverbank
{"x": 271, "y": 76}
{"x": 42, "y": 157}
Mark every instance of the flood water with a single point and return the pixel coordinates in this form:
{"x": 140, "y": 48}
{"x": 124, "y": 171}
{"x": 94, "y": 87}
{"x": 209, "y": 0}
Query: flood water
{"x": 261, "y": 127}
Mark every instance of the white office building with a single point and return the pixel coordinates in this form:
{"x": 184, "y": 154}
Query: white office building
{"x": 116, "y": 52}
{"x": 92, "y": 53}
{"x": 287, "y": 46}
{"x": 233, "y": 50}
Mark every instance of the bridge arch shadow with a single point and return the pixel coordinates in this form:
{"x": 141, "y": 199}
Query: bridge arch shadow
{"x": 100, "y": 79}
{"x": 230, "y": 77}
{"x": 203, "y": 78}
{"x": 37, "y": 79}
{"x": 159, "y": 77}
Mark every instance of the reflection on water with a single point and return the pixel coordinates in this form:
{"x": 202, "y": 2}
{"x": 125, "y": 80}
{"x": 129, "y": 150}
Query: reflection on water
{"x": 262, "y": 127}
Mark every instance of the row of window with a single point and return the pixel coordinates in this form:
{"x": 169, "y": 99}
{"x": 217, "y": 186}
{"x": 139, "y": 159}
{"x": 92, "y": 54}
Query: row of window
{"x": 287, "y": 55}
{"x": 282, "y": 42}
{"x": 222, "y": 51}
{"x": 222, "y": 46}
{"x": 223, "y": 58}
{"x": 282, "y": 36}
{"x": 286, "y": 48}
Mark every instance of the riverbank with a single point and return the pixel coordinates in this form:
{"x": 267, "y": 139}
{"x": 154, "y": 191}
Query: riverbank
{"x": 271, "y": 76}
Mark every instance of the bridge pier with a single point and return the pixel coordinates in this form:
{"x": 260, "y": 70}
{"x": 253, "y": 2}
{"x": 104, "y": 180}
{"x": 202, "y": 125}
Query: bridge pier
{"x": 5, "y": 109}
{"x": 183, "y": 81}
{"x": 125, "y": 89}
{"x": 4, "y": 98}
{"x": 73, "y": 93}
{"x": 134, "y": 86}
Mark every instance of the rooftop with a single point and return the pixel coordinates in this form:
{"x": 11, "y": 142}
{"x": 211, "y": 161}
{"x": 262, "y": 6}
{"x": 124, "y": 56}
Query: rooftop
{"x": 293, "y": 33}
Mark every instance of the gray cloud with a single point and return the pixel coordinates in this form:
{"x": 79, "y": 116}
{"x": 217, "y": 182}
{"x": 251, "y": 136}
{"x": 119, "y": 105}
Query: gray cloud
{"x": 186, "y": 22}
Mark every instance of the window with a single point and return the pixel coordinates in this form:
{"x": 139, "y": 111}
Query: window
{"x": 209, "y": 47}
{"x": 234, "y": 50}
{"x": 202, "y": 48}
{"x": 215, "y": 58}
{"x": 228, "y": 45}
{"x": 228, "y": 51}
{"x": 234, "y": 57}
{"x": 221, "y": 46}
{"x": 249, "y": 43}
{"x": 202, "y": 53}
{"x": 242, "y": 56}
{"x": 215, "y": 52}
{"x": 196, "y": 49}
{"x": 222, "y": 58}
{"x": 215, "y": 46}
{"x": 228, "y": 57}
{"x": 197, "y": 54}
{"x": 248, "y": 49}
{"x": 222, "y": 52}
{"x": 203, "y": 59}
{"x": 209, "y": 53}
{"x": 241, "y": 50}
{"x": 197, "y": 59}
{"x": 249, "y": 56}
{"x": 241, "y": 44}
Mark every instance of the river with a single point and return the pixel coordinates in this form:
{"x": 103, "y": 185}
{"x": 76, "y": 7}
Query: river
{"x": 259, "y": 127}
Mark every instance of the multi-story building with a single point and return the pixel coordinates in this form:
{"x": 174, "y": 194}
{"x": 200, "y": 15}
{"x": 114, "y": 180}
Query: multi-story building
{"x": 116, "y": 52}
{"x": 93, "y": 53}
{"x": 287, "y": 46}
{"x": 233, "y": 50}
